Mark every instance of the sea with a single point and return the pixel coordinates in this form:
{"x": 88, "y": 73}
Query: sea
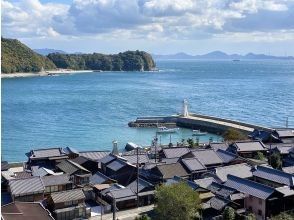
{"x": 87, "y": 111}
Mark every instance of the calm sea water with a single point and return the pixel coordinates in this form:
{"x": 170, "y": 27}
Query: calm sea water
{"x": 88, "y": 111}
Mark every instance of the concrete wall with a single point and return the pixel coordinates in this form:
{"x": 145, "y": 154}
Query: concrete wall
{"x": 256, "y": 204}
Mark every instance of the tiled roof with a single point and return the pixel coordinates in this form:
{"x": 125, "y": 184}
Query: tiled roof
{"x": 177, "y": 179}
{"x": 249, "y": 187}
{"x": 80, "y": 160}
{"x": 175, "y": 151}
{"x": 288, "y": 169}
{"x": 274, "y": 175}
{"x": 216, "y": 146}
{"x": 107, "y": 158}
{"x": 94, "y": 155}
{"x": 218, "y": 203}
{"x": 26, "y": 186}
{"x": 46, "y": 153}
{"x": 170, "y": 170}
{"x": 23, "y": 174}
{"x": 69, "y": 195}
{"x": 205, "y": 182}
{"x": 220, "y": 189}
{"x": 142, "y": 184}
{"x": 170, "y": 160}
{"x": 122, "y": 194}
{"x": 113, "y": 187}
{"x": 4, "y": 165}
{"x": 42, "y": 171}
{"x": 226, "y": 156}
{"x": 193, "y": 164}
{"x": 116, "y": 165}
{"x": 99, "y": 178}
{"x": 284, "y": 149}
{"x": 70, "y": 150}
{"x": 143, "y": 158}
{"x": 207, "y": 157}
{"x": 70, "y": 167}
{"x": 56, "y": 180}
{"x": 244, "y": 146}
{"x": 242, "y": 170}
{"x": 285, "y": 133}
{"x": 25, "y": 211}
{"x": 286, "y": 190}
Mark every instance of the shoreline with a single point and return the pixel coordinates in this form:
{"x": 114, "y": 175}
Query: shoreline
{"x": 45, "y": 73}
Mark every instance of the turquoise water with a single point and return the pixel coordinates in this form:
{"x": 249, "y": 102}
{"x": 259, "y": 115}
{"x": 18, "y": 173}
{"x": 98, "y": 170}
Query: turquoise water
{"x": 88, "y": 111}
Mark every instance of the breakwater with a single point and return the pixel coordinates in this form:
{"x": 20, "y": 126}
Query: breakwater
{"x": 196, "y": 121}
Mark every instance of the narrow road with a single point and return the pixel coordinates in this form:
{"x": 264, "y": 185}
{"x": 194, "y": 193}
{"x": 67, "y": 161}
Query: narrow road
{"x": 129, "y": 214}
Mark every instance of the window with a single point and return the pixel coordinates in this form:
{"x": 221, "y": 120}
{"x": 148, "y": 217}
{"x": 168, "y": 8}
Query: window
{"x": 259, "y": 212}
{"x": 68, "y": 203}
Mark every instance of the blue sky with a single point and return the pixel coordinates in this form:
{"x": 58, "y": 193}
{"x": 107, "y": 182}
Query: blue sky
{"x": 157, "y": 26}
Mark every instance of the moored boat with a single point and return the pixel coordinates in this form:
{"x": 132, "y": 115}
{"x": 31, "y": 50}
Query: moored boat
{"x": 131, "y": 146}
{"x": 166, "y": 130}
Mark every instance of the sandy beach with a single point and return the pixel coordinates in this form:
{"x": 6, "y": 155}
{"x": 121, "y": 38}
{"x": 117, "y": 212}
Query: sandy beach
{"x": 45, "y": 73}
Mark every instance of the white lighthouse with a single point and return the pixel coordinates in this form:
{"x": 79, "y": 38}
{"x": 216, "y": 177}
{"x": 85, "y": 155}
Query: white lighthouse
{"x": 114, "y": 149}
{"x": 185, "y": 108}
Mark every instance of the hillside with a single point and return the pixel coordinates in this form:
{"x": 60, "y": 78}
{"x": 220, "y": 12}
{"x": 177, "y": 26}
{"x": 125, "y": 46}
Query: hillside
{"x": 126, "y": 61}
{"x": 17, "y": 57}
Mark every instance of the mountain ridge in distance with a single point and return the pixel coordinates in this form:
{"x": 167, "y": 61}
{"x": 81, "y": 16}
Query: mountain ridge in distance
{"x": 219, "y": 55}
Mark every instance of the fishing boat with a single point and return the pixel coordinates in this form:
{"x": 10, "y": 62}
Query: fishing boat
{"x": 166, "y": 130}
{"x": 199, "y": 133}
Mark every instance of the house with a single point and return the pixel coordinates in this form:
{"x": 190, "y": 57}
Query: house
{"x": 145, "y": 189}
{"x": 162, "y": 172}
{"x": 121, "y": 171}
{"x": 25, "y": 211}
{"x": 123, "y": 198}
{"x": 272, "y": 177}
{"x": 285, "y": 135}
{"x": 193, "y": 166}
{"x": 80, "y": 174}
{"x": 4, "y": 166}
{"x": 248, "y": 149}
{"x": 264, "y": 201}
{"x": 282, "y": 149}
{"x": 42, "y": 171}
{"x": 27, "y": 189}
{"x": 242, "y": 170}
{"x": 100, "y": 178}
{"x": 228, "y": 157}
{"x": 94, "y": 155}
{"x": 57, "y": 183}
{"x": 87, "y": 163}
{"x": 264, "y": 136}
{"x": 106, "y": 160}
{"x": 71, "y": 152}
{"x": 215, "y": 146}
{"x": 174, "y": 152}
{"x": 132, "y": 159}
{"x": 208, "y": 157}
{"x": 68, "y": 204}
{"x": 47, "y": 157}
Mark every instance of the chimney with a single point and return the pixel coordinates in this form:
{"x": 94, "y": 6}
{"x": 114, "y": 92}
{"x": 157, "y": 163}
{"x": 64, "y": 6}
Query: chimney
{"x": 114, "y": 149}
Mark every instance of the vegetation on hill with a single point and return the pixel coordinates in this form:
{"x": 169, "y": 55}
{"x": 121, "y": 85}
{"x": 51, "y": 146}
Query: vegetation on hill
{"x": 127, "y": 61}
{"x": 17, "y": 57}
{"x": 233, "y": 135}
{"x": 176, "y": 202}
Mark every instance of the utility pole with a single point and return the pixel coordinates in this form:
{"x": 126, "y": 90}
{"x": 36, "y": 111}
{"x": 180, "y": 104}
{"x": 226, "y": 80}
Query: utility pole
{"x": 137, "y": 177}
{"x": 114, "y": 208}
{"x": 287, "y": 121}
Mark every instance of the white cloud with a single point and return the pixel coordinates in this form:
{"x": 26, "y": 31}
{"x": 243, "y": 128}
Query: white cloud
{"x": 150, "y": 19}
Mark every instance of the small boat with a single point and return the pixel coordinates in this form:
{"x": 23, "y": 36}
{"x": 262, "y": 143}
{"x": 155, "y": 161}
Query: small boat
{"x": 236, "y": 60}
{"x": 166, "y": 130}
{"x": 131, "y": 146}
{"x": 198, "y": 133}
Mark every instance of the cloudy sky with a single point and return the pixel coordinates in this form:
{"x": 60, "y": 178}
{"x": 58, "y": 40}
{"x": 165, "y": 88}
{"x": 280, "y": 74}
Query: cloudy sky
{"x": 157, "y": 26}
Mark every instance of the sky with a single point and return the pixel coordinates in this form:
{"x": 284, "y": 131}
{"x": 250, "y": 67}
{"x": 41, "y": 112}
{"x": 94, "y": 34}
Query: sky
{"x": 156, "y": 26}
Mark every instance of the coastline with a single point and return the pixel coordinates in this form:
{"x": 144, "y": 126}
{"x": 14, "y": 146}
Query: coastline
{"x": 44, "y": 73}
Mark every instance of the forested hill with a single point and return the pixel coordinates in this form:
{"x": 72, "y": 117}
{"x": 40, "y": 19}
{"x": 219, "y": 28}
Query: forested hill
{"x": 17, "y": 57}
{"x": 127, "y": 61}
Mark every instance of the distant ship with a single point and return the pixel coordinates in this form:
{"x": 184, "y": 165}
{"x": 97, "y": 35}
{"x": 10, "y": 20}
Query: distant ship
{"x": 236, "y": 60}
{"x": 198, "y": 133}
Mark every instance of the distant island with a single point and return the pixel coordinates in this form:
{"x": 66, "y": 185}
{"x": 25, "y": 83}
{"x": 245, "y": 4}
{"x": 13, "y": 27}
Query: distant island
{"x": 219, "y": 55}
{"x": 18, "y": 58}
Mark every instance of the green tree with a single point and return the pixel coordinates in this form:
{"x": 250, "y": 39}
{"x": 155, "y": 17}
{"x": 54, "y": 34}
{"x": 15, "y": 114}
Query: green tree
{"x": 275, "y": 160}
{"x": 190, "y": 142}
{"x": 229, "y": 213}
{"x": 259, "y": 156}
{"x": 233, "y": 135}
{"x": 176, "y": 202}
{"x": 143, "y": 217}
{"x": 283, "y": 216}
{"x": 250, "y": 216}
